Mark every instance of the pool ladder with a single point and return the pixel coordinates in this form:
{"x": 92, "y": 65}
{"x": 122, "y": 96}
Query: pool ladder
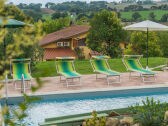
{"x": 6, "y": 88}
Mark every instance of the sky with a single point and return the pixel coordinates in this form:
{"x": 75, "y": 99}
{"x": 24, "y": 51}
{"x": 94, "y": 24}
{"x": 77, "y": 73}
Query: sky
{"x": 54, "y": 1}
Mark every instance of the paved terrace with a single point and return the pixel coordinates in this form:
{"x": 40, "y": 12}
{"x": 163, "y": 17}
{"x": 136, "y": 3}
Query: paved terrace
{"x": 89, "y": 82}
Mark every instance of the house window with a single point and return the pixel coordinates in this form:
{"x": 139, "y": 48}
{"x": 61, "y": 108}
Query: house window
{"x": 59, "y": 44}
{"x": 66, "y": 44}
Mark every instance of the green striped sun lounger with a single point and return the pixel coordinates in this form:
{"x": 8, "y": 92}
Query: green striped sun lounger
{"x": 132, "y": 64}
{"x": 20, "y": 70}
{"x": 101, "y": 66}
{"x": 65, "y": 67}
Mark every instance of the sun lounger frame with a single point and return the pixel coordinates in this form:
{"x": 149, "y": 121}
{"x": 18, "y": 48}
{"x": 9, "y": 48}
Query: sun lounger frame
{"x": 141, "y": 75}
{"x": 107, "y": 76}
{"x": 25, "y": 84}
{"x": 67, "y": 79}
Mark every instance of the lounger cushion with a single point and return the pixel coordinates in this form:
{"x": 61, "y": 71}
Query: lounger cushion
{"x": 134, "y": 66}
{"x": 19, "y": 69}
{"x": 101, "y": 67}
{"x": 108, "y": 72}
{"x": 65, "y": 68}
{"x": 70, "y": 74}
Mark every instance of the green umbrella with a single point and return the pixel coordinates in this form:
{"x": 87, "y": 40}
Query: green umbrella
{"x": 10, "y": 23}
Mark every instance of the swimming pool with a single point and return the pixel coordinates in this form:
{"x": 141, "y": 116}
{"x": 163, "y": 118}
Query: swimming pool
{"x": 77, "y": 103}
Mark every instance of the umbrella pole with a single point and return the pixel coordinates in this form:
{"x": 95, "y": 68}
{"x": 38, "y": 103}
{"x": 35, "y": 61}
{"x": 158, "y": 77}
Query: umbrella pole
{"x": 6, "y": 76}
{"x": 4, "y": 42}
{"x": 147, "y": 52}
{"x": 4, "y": 54}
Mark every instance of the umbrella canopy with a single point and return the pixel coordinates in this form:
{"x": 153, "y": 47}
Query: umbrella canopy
{"x": 147, "y": 26}
{"x": 11, "y": 23}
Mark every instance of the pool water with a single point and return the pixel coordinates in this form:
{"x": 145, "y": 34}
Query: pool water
{"x": 46, "y": 109}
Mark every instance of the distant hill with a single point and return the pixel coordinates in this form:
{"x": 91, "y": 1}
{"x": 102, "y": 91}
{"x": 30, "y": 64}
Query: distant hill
{"x": 47, "y": 11}
{"x": 121, "y": 6}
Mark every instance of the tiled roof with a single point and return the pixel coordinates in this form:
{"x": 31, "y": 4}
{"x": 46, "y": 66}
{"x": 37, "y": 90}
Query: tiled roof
{"x": 64, "y": 34}
{"x": 51, "y": 53}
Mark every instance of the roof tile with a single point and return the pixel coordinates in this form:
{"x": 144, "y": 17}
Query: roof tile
{"x": 51, "y": 53}
{"x": 64, "y": 34}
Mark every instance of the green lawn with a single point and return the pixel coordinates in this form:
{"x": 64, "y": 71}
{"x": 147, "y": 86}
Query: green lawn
{"x": 47, "y": 68}
{"x": 145, "y": 14}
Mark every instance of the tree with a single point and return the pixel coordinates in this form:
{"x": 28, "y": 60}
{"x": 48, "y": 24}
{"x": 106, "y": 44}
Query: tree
{"x": 139, "y": 2}
{"x": 137, "y": 44}
{"x": 35, "y": 7}
{"x": 78, "y": 6}
{"x": 152, "y": 16}
{"x": 57, "y": 15}
{"x": 119, "y": 14}
{"x": 134, "y": 8}
{"x": 35, "y": 15}
{"x": 15, "y": 12}
{"x": 49, "y": 4}
{"x": 105, "y": 33}
{"x": 163, "y": 37}
{"x": 83, "y": 21}
{"x": 136, "y": 16}
{"x": 54, "y": 25}
{"x": 22, "y": 6}
{"x": 147, "y": 2}
{"x": 163, "y": 7}
{"x": 31, "y": 6}
{"x": 22, "y": 37}
{"x": 154, "y": 7}
{"x": 164, "y": 18}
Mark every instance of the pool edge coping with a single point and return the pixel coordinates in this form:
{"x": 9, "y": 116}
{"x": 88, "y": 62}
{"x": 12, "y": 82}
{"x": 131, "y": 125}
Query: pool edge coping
{"x": 91, "y": 90}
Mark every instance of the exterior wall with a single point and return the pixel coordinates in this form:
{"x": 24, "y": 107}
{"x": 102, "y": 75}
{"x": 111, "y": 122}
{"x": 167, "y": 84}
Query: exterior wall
{"x": 86, "y": 51}
{"x": 54, "y": 44}
{"x": 51, "y": 45}
{"x": 74, "y": 44}
{"x": 71, "y": 43}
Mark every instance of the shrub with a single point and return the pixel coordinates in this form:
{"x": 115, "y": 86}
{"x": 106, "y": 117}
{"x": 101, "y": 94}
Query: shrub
{"x": 128, "y": 50}
{"x": 151, "y": 113}
{"x": 164, "y": 18}
{"x": 136, "y": 16}
{"x": 95, "y": 121}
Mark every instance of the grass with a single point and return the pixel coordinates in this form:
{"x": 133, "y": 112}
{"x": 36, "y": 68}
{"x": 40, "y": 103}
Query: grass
{"x": 128, "y": 15}
{"x": 46, "y": 16}
{"x": 145, "y": 14}
{"x": 47, "y": 68}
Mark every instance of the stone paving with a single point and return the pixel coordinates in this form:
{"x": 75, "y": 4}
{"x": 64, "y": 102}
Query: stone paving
{"x": 89, "y": 82}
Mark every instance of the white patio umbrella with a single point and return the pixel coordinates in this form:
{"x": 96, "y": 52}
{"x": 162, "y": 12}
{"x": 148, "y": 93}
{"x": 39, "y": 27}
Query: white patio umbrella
{"x": 147, "y": 26}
